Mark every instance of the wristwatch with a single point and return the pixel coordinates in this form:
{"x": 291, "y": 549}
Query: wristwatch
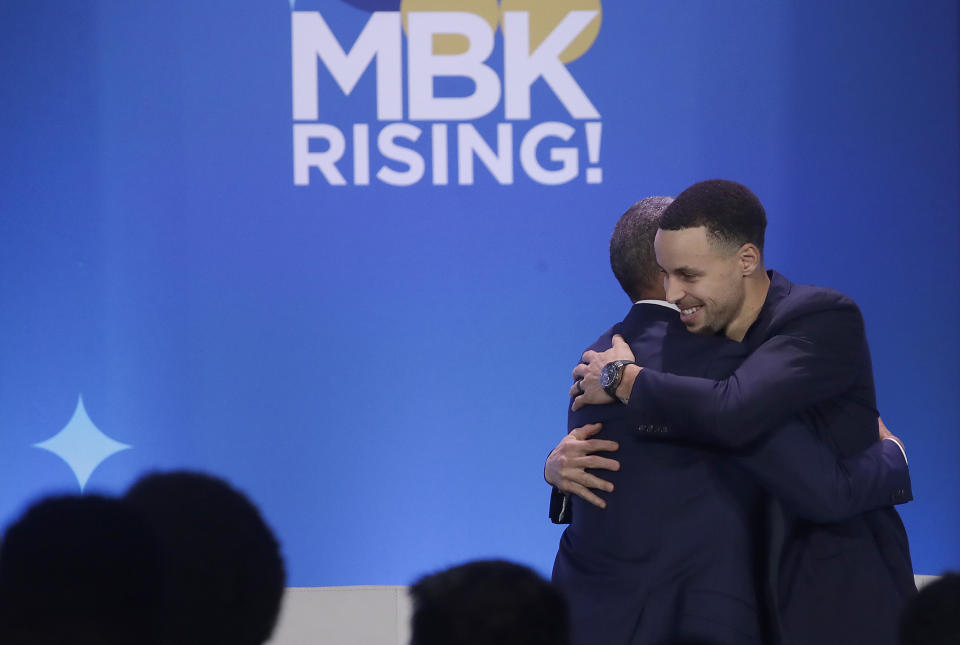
{"x": 611, "y": 375}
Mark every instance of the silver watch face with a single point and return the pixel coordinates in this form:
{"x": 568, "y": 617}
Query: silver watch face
{"x": 607, "y": 375}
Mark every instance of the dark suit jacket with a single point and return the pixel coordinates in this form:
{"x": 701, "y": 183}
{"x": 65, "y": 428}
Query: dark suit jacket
{"x": 844, "y": 582}
{"x": 674, "y": 554}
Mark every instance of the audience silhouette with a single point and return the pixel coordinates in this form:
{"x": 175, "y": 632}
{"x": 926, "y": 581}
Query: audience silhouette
{"x": 79, "y": 570}
{"x": 223, "y": 572}
{"x": 932, "y": 617}
{"x": 186, "y": 559}
{"x": 487, "y": 602}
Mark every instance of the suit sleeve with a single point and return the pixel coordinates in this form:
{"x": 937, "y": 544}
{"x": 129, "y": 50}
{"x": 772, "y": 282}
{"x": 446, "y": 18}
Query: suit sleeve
{"x": 812, "y": 358}
{"x": 815, "y": 484}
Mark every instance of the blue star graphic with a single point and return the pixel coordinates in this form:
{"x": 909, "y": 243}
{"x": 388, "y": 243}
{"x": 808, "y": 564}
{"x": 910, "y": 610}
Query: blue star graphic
{"x": 82, "y": 445}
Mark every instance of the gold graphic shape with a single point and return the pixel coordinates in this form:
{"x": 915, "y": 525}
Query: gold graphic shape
{"x": 545, "y": 15}
{"x": 452, "y": 44}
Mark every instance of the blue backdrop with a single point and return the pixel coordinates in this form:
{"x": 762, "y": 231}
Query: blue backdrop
{"x": 383, "y": 367}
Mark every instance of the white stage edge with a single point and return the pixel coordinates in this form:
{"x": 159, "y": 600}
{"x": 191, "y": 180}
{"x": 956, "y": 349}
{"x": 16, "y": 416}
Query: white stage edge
{"x": 369, "y": 615}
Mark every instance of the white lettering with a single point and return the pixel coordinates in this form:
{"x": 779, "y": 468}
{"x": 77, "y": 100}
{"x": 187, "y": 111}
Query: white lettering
{"x": 323, "y": 146}
{"x": 386, "y": 142}
{"x": 500, "y": 163}
{"x": 361, "y": 154}
{"x": 326, "y": 161}
{"x": 567, "y": 157}
{"x": 380, "y": 39}
{"x": 423, "y": 66}
{"x": 440, "y": 156}
{"x": 523, "y": 67}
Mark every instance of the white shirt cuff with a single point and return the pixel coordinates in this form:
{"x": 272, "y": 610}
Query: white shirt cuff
{"x": 906, "y": 461}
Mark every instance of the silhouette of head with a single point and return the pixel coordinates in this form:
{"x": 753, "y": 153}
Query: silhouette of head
{"x": 487, "y": 603}
{"x": 80, "y": 570}
{"x": 223, "y": 572}
{"x": 932, "y": 617}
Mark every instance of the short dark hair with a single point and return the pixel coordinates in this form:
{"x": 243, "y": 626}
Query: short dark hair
{"x": 632, "y": 257}
{"x": 81, "y": 570}
{"x": 487, "y": 602}
{"x": 731, "y": 213}
{"x": 223, "y": 572}
{"x": 931, "y": 617}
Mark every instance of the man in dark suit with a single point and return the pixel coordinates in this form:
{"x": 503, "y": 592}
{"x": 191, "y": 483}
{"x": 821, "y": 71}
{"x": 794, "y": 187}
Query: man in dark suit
{"x": 675, "y": 553}
{"x": 844, "y": 582}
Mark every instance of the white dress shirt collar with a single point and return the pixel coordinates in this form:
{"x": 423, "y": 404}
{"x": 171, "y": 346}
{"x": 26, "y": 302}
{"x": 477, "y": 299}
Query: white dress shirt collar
{"x": 662, "y": 303}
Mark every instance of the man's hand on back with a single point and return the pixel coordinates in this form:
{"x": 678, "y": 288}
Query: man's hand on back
{"x": 566, "y": 466}
{"x": 587, "y": 389}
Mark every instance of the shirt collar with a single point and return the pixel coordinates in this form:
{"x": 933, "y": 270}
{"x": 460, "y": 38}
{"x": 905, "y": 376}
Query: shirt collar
{"x": 662, "y": 303}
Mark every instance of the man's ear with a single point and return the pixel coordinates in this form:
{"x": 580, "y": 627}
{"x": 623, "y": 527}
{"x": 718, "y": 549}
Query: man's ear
{"x": 749, "y": 259}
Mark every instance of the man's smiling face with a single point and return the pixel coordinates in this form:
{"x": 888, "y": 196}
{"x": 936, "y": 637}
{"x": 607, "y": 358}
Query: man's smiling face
{"x": 702, "y": 277}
